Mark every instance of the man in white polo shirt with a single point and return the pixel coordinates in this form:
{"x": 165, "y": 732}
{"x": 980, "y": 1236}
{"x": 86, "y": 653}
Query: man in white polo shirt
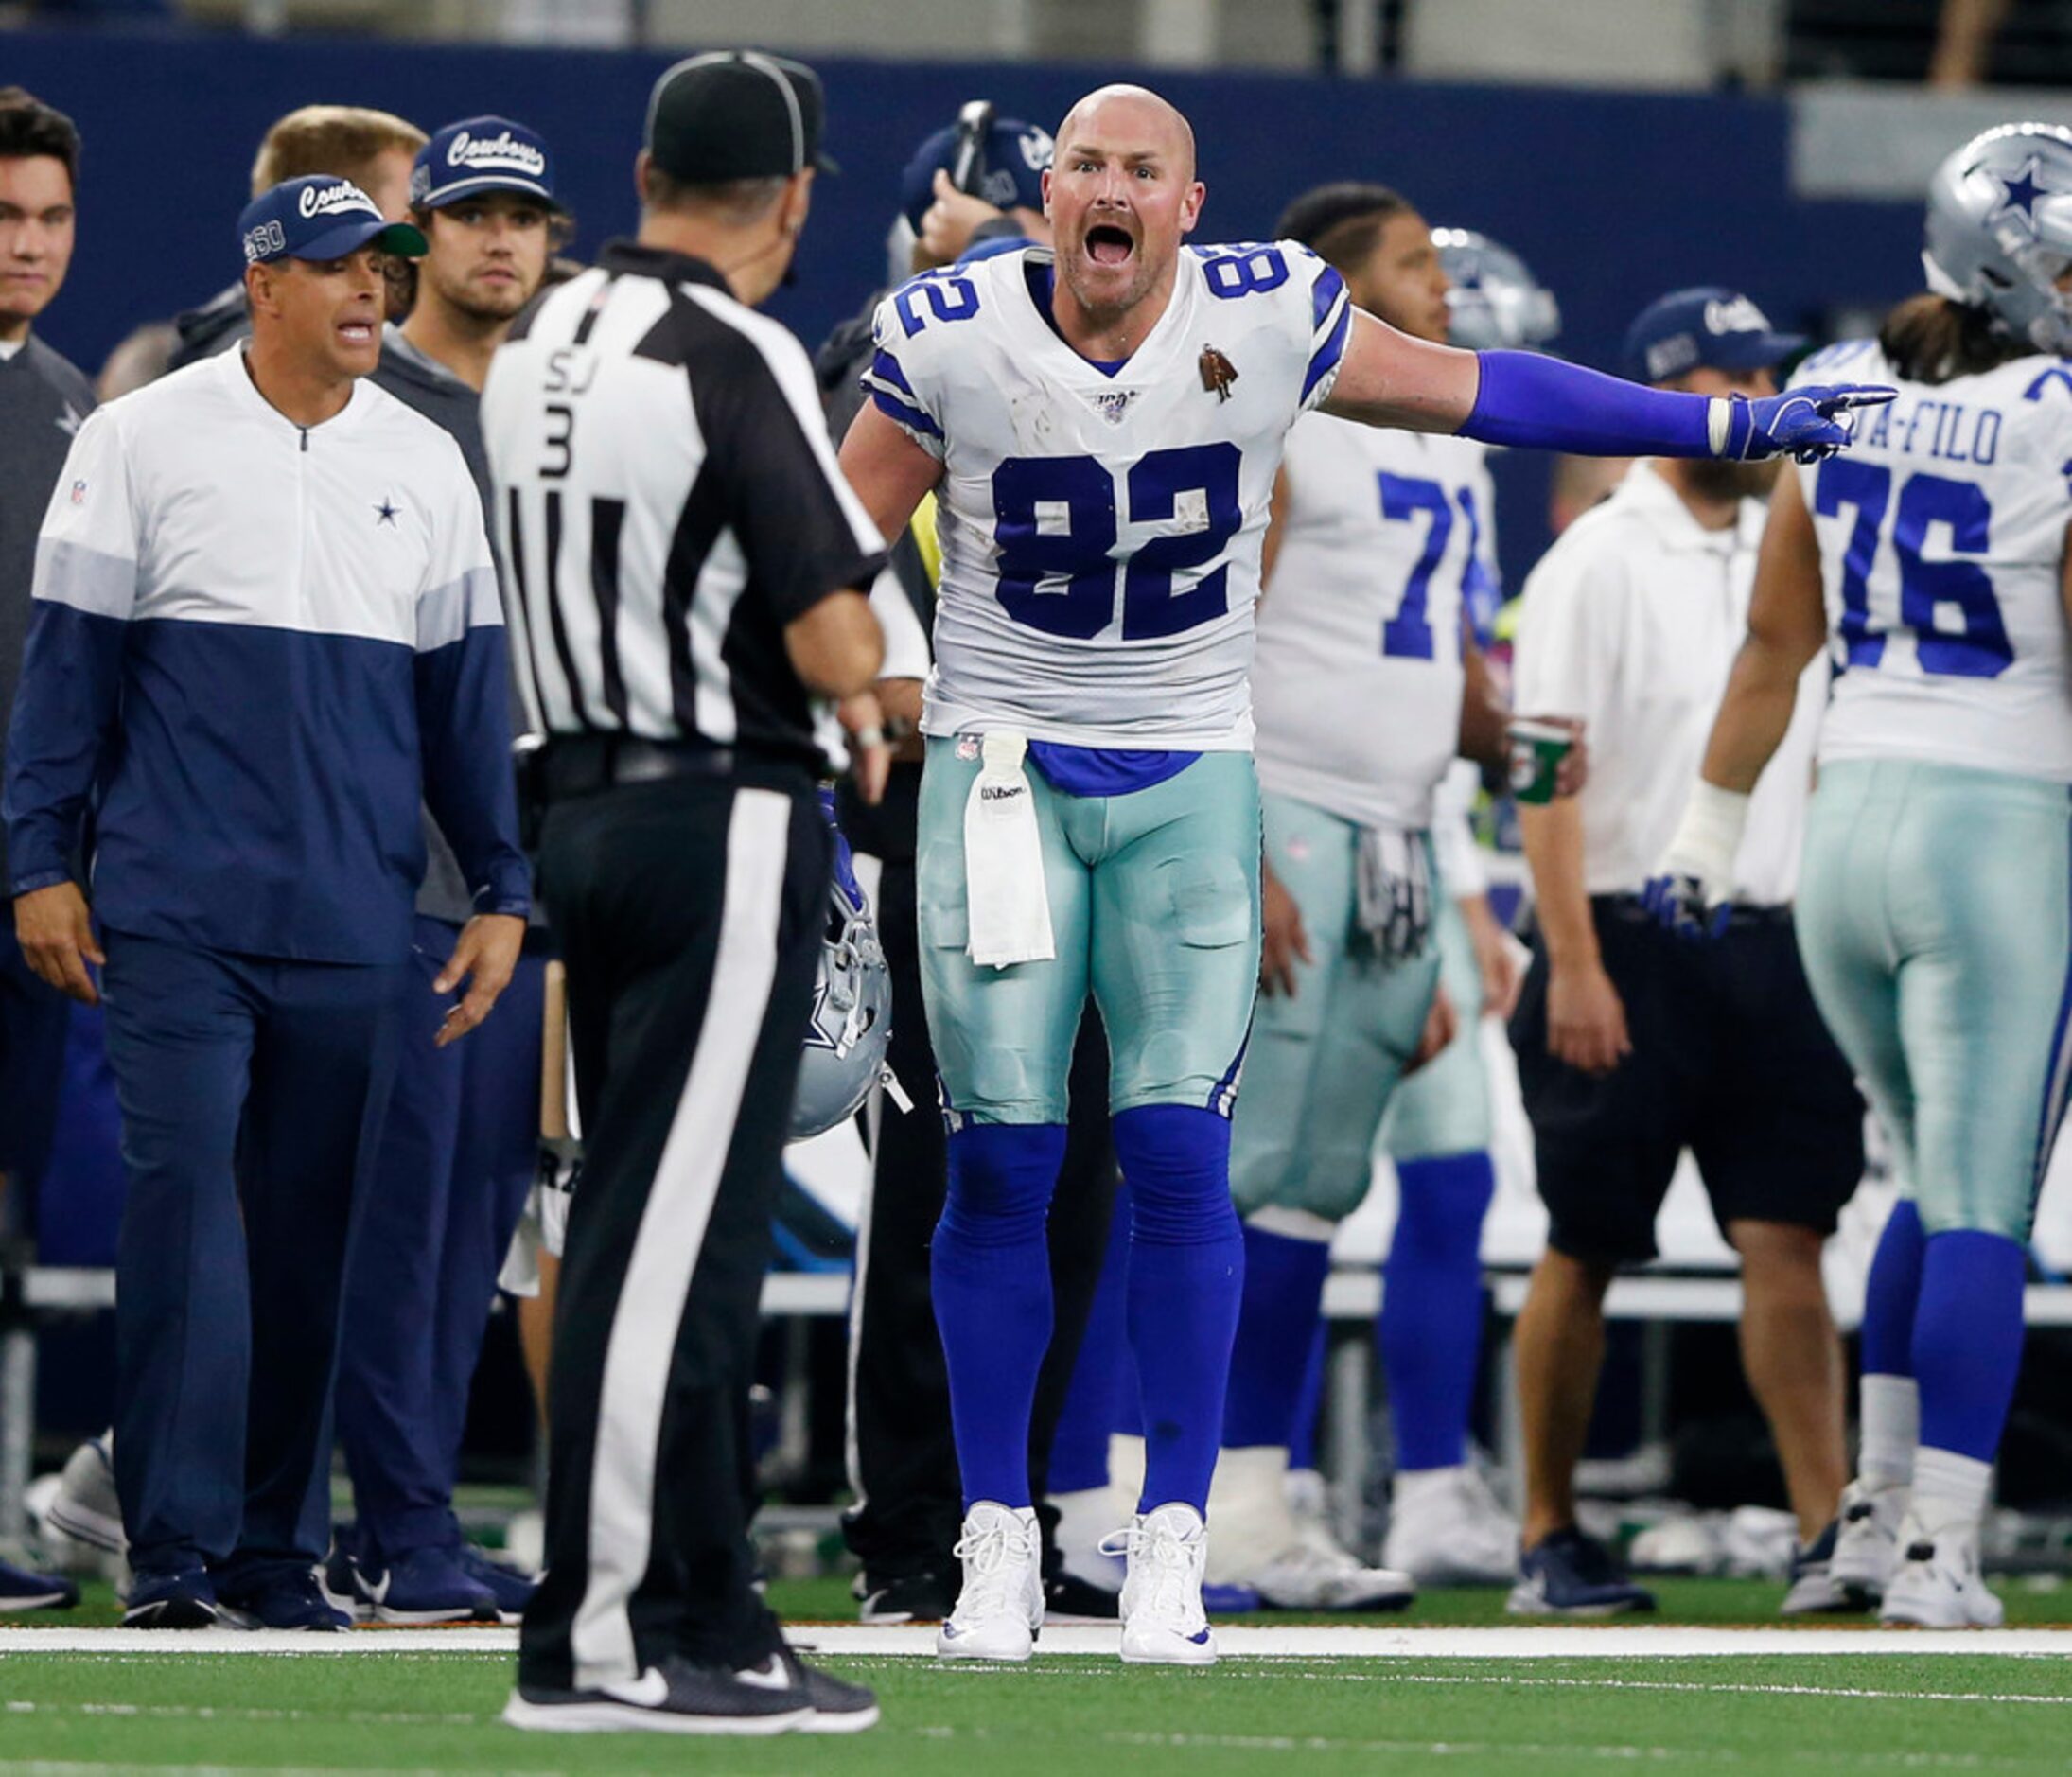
{"x": 1633, "y": 1044}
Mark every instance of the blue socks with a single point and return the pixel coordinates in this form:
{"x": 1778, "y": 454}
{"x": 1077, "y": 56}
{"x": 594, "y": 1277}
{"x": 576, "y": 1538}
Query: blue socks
{"x": 1967, "y": 1346}
{"x": 1302, "y": 1436}
{"x": 1277, "y": 1328}
{"x": 1431, "y": 1311}
{"x": 989, "y": 1272}
{"x": 1079, "y": 1447}
{"x": 1186, "y": 1276}
{"x": 1890, "y": 1293}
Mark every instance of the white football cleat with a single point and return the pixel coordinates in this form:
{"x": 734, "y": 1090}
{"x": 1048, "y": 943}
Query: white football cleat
{"x": 1000, "y": 1605}
{"x": 1867, "y": 1546}
{"x": 1162, "y": 1622}
{"x": 1937, "y": 1583}
{"x": 1310, "y": 1578}
{"x": 1447, "y": 1528}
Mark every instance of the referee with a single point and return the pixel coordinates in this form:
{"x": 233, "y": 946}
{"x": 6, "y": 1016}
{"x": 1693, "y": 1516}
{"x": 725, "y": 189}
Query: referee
{"x": 689, "y": 571}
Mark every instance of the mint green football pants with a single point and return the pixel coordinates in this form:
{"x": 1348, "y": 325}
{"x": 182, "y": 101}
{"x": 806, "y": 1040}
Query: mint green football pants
{"x": 1323, "y": 1063}
{"x": 1934, "y": 920}
{"x": 1154, "y": 908}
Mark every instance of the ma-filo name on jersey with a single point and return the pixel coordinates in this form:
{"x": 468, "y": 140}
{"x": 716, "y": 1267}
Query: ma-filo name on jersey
{"x": 1947, "y": 429}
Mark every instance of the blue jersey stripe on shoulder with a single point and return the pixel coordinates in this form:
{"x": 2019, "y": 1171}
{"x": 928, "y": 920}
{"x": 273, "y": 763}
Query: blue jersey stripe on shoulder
{"x": 1329, "y": 288}
{"x": 893, "y": 408}
{"x": 885, "y": 365}
{"x": 1325, "y": 360}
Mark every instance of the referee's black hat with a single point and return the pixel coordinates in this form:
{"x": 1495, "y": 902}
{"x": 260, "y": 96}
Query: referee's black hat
{"x": 736, "y": 114}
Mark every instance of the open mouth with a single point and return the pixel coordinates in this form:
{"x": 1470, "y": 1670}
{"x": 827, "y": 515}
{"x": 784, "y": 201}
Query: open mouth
{"x": 1109, "y": 245}
{"x": 356, "y": 332}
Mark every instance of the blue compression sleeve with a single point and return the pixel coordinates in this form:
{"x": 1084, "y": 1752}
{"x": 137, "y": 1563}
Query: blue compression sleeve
{"x": 1543, "y": 402}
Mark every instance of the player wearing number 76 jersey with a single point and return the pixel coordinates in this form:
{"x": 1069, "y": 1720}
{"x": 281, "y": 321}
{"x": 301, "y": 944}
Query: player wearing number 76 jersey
{"x": 1101, "y": 427}
{"x": 1933, "y": 910}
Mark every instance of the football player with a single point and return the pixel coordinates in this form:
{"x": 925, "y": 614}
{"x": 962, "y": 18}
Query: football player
{"x": 1365, "y": 687}
{"x": 1932, "y": 907}
{"x": 1102, "y": 426}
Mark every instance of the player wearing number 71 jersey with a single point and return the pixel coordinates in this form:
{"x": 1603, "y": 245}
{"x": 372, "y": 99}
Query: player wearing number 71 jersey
{"x": 1933, "y": 911}
{"x": 1102, "y": 429}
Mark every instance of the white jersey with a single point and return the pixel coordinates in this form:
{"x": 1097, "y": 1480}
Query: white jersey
{"x": 1357, "y": 686}
{"x": 1943, "y": 539}
{"x": 1100, "y": 534}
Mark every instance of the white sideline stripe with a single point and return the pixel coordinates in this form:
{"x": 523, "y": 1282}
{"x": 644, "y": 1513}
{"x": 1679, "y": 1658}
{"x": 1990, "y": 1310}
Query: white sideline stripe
{"x": 654, "y": 1292}
{"x": 1324, "y": 1642}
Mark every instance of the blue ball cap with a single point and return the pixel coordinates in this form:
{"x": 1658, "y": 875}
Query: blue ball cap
{"x": 1710, "y": 326}
{"x": 482, "y": 154}
{"x": 320, "y": 216}
{"x": 1016, "y": 155}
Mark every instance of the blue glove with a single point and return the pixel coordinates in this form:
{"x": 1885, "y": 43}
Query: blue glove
{"x": 1809, "y": 423}
{"x": 1679, "y": 904}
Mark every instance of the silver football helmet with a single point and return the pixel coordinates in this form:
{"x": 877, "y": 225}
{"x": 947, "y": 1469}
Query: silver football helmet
{"x": 851, "y": 1017}
{"x": 1999, "y": 230}
{"x": 1496, "y": 302}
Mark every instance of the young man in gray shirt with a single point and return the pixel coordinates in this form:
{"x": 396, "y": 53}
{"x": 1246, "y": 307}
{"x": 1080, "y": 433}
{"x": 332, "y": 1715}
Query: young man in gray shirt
{"x": 43, "y": 400}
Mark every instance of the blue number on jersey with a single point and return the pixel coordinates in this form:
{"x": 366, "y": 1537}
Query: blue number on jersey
{"x": 1244, "y": 271}
{"x": 1403, "y": 497}
{"x": 1982, "y": 649}
{"x": 951, "y": 298}
{"x": 1056, "y": 520}
{"x": 1867, "y": 487}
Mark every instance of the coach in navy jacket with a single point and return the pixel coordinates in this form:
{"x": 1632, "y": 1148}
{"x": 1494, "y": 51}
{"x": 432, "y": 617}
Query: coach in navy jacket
{"x": 265, "y": 623}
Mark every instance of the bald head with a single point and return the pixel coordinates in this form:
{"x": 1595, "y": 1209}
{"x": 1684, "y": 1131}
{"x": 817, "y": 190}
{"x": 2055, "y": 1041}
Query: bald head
{"x": 1135, "y": 112}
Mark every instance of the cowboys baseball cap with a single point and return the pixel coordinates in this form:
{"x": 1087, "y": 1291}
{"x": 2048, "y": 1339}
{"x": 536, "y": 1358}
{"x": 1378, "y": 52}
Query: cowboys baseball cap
{"x": 319, "y": 216}
{"x": 1710, "y": 326}
{"x": 480, "y": 154}
{"x": 736, "y": 114}
{"x": 1013, "y": 158}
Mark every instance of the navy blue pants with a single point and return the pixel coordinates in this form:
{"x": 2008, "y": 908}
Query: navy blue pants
{"x": 34, "y": 1017}
{"x": 251, "y": 1093}
{"x": 455, "y": 1160}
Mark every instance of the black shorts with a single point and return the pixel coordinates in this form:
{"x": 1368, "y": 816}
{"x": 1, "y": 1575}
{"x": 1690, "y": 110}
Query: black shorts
{"x": 1731, "y": 1059}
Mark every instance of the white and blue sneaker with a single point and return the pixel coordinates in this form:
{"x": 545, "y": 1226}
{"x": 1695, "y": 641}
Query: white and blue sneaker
{"x": 1000, "y": 1605}
{"x": 1937, "y": 1583}
{"x": 1162, "y": 1622}
{"x": 85, "y": 1506}
{"x": 1867, "y": 1539}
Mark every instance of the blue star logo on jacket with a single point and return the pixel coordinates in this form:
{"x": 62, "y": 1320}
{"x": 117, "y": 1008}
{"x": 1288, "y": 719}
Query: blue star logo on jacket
{"x": 385, "y": 512}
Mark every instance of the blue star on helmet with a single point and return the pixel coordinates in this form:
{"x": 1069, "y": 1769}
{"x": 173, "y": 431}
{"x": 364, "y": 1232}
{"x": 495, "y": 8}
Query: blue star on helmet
{"x": 2020, "y": 194}
{"x": 817, "y": 1036}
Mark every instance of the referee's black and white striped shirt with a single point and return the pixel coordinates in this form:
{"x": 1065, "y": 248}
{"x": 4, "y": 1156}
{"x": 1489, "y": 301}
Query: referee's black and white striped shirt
{"x": 666, "y": 503}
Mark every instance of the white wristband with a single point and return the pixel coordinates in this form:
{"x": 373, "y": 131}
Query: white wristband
{"x": 1719, "y": 423}
{"x": 1707, "y": 838}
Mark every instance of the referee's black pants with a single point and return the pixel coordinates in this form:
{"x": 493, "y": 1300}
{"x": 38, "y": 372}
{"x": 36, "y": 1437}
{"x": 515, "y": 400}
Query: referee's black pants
{"x": 688, "y": 912}
{"x": 903, "y": 1459}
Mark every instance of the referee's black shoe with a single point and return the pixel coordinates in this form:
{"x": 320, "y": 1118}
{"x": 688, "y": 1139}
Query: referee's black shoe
{"x": 839, "y": 1706}
{"x": 677, "y": 1697}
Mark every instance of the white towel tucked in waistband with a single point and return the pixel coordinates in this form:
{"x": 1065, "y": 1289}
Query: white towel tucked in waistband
{"x": 1010, "y": 907}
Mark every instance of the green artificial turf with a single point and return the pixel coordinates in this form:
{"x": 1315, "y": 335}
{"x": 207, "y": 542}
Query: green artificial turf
{"x": 62, "y": 1714}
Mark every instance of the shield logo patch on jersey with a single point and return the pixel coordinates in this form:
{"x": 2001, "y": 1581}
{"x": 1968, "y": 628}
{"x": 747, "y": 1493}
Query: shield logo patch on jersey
{"x": 1111, "y": 404}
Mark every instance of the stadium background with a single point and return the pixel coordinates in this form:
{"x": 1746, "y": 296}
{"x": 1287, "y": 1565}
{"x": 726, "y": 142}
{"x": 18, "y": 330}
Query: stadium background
{"x": 1803, "y": 191}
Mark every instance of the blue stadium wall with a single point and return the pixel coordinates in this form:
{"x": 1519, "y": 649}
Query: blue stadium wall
{"x": 1612, "y": 197}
